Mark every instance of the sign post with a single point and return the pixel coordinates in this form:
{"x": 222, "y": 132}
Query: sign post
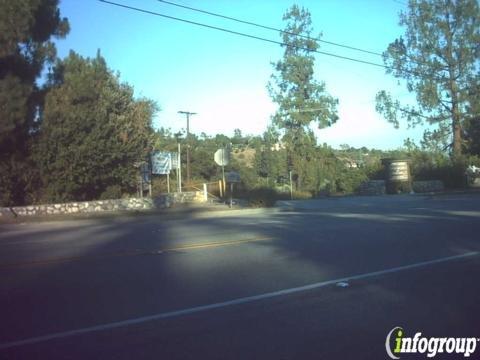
{"x": 145, "y": 179}
{"x": 162, "y": 164}
{"x": 232, "y": 178}
{"x": 223, "y": 179}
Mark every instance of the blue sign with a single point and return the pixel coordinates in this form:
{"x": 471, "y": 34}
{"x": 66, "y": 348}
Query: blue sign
{"x": 161, "y": 162}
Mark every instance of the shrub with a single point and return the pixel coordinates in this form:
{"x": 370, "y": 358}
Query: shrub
{"x": 111, "y": 192}
{"x": 302, "y": 195}
{"x": 453, "y": 174}
{"x": 349, "y": 180}
{"x": 427, "y": 166}
{"x": 375, "y": 171}
{"x": 262, "y": 197}
{"x": 297, "y": 195}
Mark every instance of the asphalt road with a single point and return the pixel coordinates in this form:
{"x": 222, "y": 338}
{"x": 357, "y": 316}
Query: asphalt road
{"x": 251, "y": 284}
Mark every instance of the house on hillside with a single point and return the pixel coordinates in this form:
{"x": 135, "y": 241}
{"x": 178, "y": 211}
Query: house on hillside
{"x": 349, "y": 162}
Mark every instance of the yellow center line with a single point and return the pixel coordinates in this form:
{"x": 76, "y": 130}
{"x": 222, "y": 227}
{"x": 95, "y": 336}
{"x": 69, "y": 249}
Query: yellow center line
{"x": 134, "y": 252}
{"x": 215, "y": 244}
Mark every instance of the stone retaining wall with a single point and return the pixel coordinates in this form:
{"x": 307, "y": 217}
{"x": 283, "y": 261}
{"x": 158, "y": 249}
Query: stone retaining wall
{"x": 372, "y": 187}
{"x": 428, "y": 186}
{"x": 160, "y": 202}
{"x": 377, "y": 187}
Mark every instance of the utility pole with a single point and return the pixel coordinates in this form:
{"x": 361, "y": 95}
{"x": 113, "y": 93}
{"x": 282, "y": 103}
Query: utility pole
{"x": 179, "y": 168}
{"x": 188, "y": 114}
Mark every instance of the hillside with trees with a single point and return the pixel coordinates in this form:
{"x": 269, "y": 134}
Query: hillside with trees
{"x": 71, "y": 130}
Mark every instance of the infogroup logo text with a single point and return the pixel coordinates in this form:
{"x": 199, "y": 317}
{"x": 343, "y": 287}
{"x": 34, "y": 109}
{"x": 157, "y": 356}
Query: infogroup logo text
{"x": 397, "y": 343}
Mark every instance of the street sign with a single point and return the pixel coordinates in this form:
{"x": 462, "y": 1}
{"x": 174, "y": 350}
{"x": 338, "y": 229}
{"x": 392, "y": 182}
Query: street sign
{"x": 174, "y": 160}
{"x": 222, "y": 157}
{"x": 232, "y": 177}
{"x": 161, "y": 162}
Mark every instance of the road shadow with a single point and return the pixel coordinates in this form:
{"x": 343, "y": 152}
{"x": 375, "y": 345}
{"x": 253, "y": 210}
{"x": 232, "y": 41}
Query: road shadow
{"x": 116, "y": 268}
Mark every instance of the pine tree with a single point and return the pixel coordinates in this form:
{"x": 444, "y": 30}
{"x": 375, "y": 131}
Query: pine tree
{"x": 301, "y": 99}
{"x": 439, "y": 60}
{"x": 26, "y": 28}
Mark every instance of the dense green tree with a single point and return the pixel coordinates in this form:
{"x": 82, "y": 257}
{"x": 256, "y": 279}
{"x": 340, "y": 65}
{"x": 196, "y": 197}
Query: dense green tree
{"x": 301, "y": 99}
{"x": 237, "y": 138}
{"x": 203, "y": 166}
{"x": 26, "y": 28}
{"x": 222, "y": 140}
{"x": 439, "y": 60}
{"x": 93, "y": 132}
{"x": 165, "y": 140}
{"x": 270, "y": 159}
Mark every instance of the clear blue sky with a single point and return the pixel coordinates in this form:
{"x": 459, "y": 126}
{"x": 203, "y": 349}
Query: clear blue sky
{"x": 223, "y": 77}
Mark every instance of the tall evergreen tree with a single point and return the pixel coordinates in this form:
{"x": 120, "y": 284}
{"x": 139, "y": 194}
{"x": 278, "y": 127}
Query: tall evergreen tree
{"x": 26, "y": 29}
{"x": 93, "y": 132}
{"x": 301, "y": 99}
{"x": 439, "y": 60}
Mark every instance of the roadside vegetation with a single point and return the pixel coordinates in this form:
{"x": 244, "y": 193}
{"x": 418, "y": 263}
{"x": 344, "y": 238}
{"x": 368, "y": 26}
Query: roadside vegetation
{"x": 71, "y": 130}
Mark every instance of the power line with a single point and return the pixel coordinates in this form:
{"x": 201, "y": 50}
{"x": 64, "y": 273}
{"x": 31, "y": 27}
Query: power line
{"x": 400, "y": 2}
{"x": 243, "y": 34}
{"x": 414, "y": 73}
{"x": 269, "y": 28}
{"x": 288, "y": 32}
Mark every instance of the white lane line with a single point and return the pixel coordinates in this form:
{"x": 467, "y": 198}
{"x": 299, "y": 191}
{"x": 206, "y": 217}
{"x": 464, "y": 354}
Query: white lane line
{"x": 238, "y": 301}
